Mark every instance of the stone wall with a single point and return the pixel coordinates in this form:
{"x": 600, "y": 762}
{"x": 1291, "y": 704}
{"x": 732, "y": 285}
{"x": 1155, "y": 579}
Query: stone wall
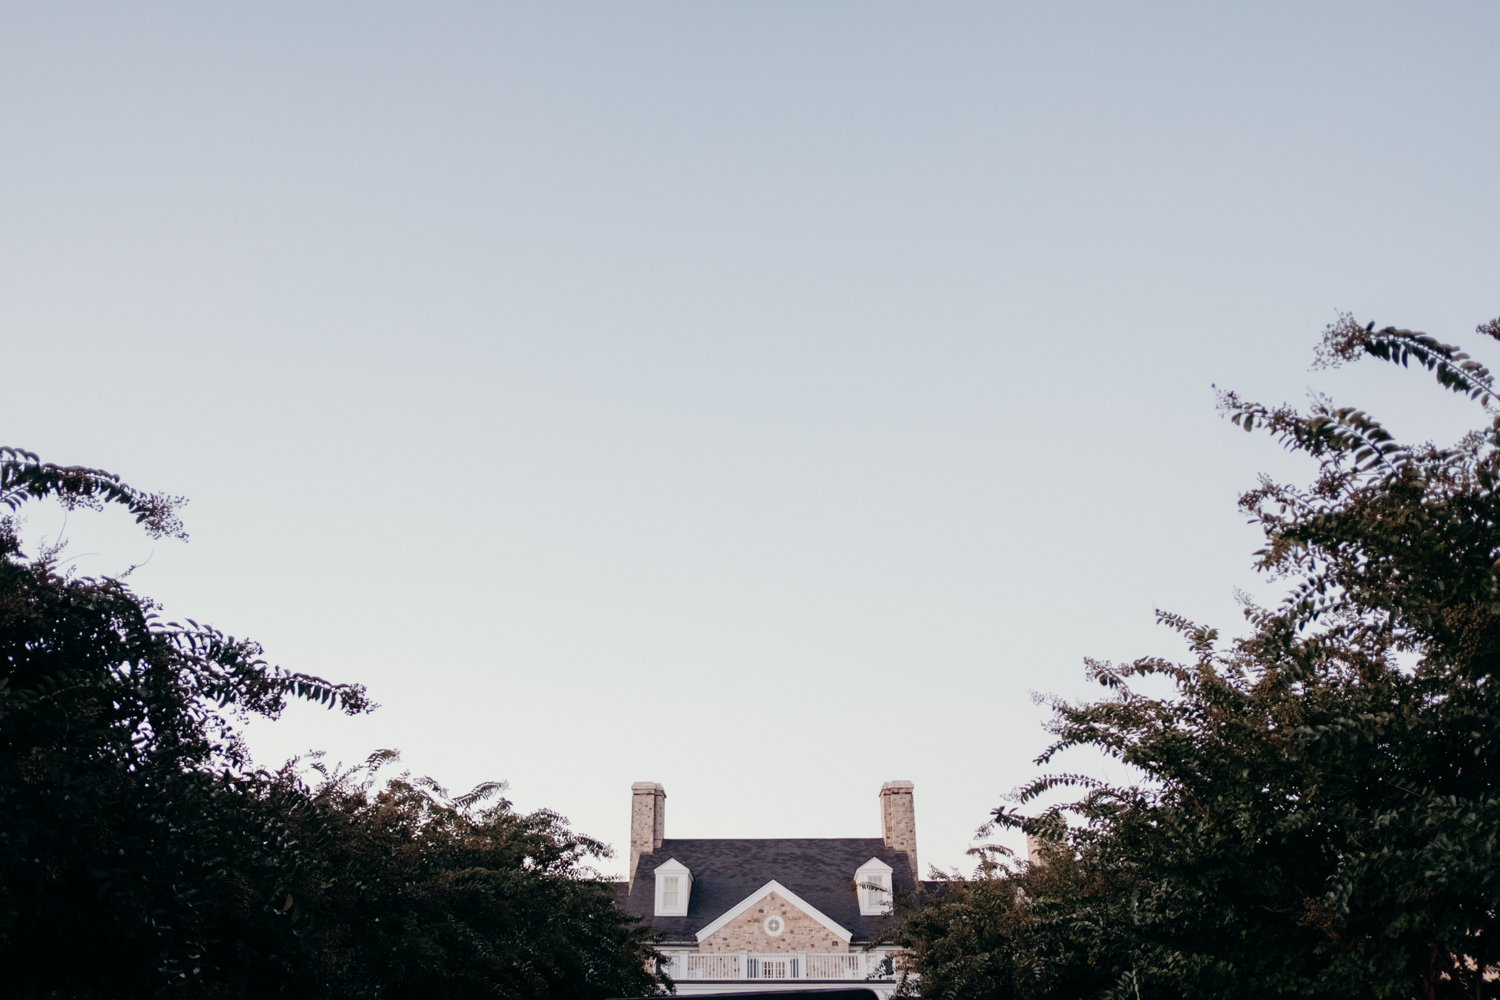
{"x": 747, "y": 931}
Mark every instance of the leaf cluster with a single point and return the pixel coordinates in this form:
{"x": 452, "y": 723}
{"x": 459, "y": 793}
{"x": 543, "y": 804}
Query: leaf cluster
{"x": 143, "y": 854}
{"x": 1317, "y": 812}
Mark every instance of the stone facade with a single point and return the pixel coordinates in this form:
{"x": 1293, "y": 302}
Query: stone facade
{"x": 747, "y": 932}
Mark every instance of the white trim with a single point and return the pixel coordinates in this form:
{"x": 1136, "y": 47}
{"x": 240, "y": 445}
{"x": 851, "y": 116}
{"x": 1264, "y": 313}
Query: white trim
{"x": 789, "y": 896}
{"x": 874, "y": 867}
{"x": 673, "y": 868}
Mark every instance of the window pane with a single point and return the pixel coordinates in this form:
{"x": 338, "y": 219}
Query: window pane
{"x": 669, "y": 892}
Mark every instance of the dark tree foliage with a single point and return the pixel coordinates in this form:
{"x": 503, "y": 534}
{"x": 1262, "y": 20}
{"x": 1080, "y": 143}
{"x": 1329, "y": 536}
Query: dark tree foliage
{"x": 141, "y": 854}
{"x": 1009, "y": 931}
{"x": 1319, "y": 812}
{"x": 407, "y": 892}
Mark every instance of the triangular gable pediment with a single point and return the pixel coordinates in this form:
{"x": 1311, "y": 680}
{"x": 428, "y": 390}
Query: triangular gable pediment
{"x": 784, "y": 893}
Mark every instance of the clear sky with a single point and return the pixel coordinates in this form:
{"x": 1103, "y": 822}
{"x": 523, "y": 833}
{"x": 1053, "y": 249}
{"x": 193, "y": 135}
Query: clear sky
{"x": 763, "y": 399}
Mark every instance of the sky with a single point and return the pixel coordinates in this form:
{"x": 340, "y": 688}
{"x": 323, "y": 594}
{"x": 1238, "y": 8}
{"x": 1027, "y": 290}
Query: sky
{"x": 768, "y": 400}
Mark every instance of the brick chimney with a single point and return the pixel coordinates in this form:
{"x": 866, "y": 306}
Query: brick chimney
{"x": 648, "y": 813}
{"x": 1039, "y": 845}
{"x": 898, "y": 820}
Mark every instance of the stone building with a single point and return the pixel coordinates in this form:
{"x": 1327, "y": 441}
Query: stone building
{"x": 758, "y": 915}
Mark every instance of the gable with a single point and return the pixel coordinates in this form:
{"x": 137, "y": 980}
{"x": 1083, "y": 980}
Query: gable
{"x": 773, "y": 918}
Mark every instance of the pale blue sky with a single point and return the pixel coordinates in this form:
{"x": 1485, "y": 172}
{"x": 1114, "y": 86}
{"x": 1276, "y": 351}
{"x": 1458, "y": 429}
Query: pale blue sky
{"x": 761, "y": 399}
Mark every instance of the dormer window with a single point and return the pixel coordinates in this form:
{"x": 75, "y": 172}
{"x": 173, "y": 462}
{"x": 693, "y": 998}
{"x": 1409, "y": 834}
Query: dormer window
{"x": 873, "y": 883}
{"x": 674, "y": 884}
{"x": 877, "y": 893}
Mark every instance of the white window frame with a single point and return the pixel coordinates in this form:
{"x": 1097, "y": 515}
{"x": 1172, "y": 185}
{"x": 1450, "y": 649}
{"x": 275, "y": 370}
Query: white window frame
{"x": 870, "y": 873}
{"x": 673, "y": 869}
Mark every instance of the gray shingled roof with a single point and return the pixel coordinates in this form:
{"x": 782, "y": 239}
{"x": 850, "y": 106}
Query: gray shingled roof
{"x": 819, "y": 870}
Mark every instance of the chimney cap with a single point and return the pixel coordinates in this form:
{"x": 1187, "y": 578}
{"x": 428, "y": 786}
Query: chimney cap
{"x": 647, "y": 786}
{"x": 897, "y": 785}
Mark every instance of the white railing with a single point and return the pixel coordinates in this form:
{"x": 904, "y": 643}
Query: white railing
{"x": 712, "y": 966}
{"x": 835, "y": 966}
{"x": 777, "y": 965}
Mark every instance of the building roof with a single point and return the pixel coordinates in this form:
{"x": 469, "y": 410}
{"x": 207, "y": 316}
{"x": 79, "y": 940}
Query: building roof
{"x": 820, "y": 870}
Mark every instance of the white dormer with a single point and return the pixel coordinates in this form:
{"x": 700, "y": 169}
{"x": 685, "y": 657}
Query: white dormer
{"x": 673, "y": 884}
{"x": 873, "y": 882}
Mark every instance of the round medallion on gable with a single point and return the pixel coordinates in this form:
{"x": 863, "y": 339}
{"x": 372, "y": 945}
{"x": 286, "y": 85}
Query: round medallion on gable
{"x": 774, "y": 925}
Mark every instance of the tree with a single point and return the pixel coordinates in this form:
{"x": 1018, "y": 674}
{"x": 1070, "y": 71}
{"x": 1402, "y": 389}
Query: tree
{"x": 410, "y": 892}
{"x": 1010, "y": 931}
{"x": 117, "y": 757}
{"x": 1318, "y": 811}
{"x": 141, "y": 852}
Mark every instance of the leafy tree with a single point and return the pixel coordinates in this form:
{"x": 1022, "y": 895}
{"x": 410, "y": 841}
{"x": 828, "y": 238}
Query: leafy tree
{"x": 1318, "y": 812}
{"x": 116, "y": 757}
{"x": 413, "y": 893}
{"x": 142, "y": 853}
{"x": 1011, "y": 930}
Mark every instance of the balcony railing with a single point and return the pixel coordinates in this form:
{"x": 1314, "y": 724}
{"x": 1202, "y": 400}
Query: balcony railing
{"x": 836, "y": 966}
{"x": 779, "y": 965}
{"x": 706, "y": 967}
